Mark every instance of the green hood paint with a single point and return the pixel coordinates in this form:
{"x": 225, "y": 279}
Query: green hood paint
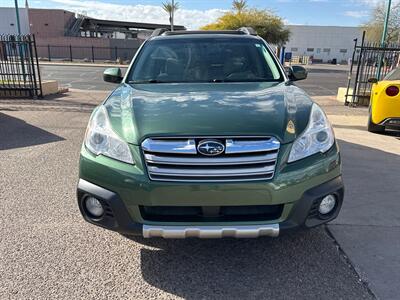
{"x": 207, "y": 109}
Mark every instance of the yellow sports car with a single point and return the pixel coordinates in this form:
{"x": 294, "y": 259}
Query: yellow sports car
{"x": 385, "y": 102}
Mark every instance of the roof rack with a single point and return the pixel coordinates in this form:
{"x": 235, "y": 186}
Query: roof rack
{"x": 248, "y": 30}
{"x": 240, "y": 31}
{"x": 158, "y": 31}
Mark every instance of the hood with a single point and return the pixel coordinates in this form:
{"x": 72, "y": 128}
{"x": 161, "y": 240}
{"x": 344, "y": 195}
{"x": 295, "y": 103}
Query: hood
{"x": 208, "y": 109}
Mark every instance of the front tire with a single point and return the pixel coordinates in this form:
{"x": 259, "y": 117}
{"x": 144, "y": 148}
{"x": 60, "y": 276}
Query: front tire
{"x": 372, "y": 127}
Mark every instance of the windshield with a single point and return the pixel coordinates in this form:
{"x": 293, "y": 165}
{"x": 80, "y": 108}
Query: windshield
{"x": 393, "y": 75}
{"x": 204, "y": 60}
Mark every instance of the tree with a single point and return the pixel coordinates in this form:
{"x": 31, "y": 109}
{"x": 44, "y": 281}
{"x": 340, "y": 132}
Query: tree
{"x": 267, "y": 25}
{"x": 374, "y": 27}
{"x": 239, "y": 5}
{"x": 170, "y": 8}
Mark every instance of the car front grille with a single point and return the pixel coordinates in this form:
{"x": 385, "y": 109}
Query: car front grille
{"x": 243, "y": 159}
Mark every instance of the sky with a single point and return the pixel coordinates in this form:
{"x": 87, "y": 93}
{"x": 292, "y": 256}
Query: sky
{"x": 196, "y": 13}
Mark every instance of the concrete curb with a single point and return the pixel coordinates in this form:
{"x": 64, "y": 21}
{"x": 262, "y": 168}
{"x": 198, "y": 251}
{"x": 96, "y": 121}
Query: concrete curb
{"x": 83, "y": 91}
{"x": 60, "y": 108}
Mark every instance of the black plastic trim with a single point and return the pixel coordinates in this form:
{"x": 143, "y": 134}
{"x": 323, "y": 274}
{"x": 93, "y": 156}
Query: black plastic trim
{"x": 117, "y": 219}
{"x": 300, "y": 215}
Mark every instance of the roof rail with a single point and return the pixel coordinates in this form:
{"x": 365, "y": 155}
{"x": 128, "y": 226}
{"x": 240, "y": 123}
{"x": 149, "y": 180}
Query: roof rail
{"x": 179, "y": 32}
{"x": 248, "y": 30}
{"x": 165, "y": 31}
{"x": 159, "y": 31}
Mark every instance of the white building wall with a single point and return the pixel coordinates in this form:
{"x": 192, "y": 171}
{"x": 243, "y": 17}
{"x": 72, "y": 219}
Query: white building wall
{"x": 8, "y": 20}
{"x": 323, "y": 42}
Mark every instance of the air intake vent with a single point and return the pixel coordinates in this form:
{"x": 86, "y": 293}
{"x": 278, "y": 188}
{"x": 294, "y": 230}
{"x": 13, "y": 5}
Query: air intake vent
{"x": 236, "y": 159}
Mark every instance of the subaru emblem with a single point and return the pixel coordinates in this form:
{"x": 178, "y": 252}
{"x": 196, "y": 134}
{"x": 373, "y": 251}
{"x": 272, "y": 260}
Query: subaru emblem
{"x": 210, "y": 147}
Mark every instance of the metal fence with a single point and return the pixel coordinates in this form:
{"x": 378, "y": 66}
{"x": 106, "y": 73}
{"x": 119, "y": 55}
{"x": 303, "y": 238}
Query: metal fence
{"x": 19, "y": 68}
{"x": 87, "y": 54}
{"x": 370, "y": 60}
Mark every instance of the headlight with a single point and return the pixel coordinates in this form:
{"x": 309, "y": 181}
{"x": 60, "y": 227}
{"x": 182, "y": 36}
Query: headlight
{"x": 101, "y": 139}
{"x": 317, "y": 137}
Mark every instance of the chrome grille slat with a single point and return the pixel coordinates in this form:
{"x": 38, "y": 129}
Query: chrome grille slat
{"x": 210, "y": 172}
{"x": 160, "y": 159}
{"x": 211, "y": 180}
{"x": 208, "y": 180}
{"x": 177, "y": 159}
{"x": 250, "y": 146}
{"x": 181, "y": 146}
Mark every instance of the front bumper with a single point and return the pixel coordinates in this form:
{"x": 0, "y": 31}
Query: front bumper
{"x": 392, "y": 122}
{"x": 296, "y": 190}
{"x": 303, "y": 214}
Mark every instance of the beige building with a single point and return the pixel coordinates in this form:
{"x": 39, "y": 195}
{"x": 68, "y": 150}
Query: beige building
{"x": 59, "y": 35}
{"x": 63, "y": 34}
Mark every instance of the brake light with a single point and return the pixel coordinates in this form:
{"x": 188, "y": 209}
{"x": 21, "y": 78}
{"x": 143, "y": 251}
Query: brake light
{"x": 392, "y": 91}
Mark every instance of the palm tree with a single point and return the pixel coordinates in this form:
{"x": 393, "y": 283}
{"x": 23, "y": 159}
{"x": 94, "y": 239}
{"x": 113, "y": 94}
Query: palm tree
{"x": 170, "y": 8}
{"x": 239, "y": 5}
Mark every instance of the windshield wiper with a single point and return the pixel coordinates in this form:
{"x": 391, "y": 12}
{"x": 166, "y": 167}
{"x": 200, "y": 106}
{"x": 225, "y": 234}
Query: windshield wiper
{"x": 148, "y": 81}
{"x": 252, "y": 80}
{"x": 244, "y": 80}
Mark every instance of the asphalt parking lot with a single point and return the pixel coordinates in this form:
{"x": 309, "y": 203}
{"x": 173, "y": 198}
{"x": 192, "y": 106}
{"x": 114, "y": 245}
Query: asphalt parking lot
{"x": 322, "y": 79}
{"x": 48, "y": 251}
{"x": 84, "y": 77}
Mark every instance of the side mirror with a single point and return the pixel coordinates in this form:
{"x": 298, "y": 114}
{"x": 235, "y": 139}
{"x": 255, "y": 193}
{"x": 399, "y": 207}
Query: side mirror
{"x": 113, "y": 75}
{"x": 296, "y": 73}
{"x": 373, "y": 80}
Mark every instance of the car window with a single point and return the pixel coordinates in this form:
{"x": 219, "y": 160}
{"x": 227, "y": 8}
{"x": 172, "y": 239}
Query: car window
{"x": 204, "y": 60}
{"x": 393, "y": 75}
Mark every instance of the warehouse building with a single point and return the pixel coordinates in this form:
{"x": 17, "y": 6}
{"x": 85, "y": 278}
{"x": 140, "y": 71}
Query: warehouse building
{"x": 8, "y": 20}
{"x": 322, "y": 43}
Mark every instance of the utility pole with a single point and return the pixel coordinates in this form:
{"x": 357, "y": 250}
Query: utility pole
{"x": 17, "y": 15}
{"x": 19, "y": 39}
{"x": 383, "y": 38}
{"x": 172, "y": 14}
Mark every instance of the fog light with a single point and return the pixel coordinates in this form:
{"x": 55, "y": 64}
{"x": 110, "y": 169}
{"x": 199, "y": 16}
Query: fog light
{"x": 94, "y": 207}
{"x": 327, "y": 204}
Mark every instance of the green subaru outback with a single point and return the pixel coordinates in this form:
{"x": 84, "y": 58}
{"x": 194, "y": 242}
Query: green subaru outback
{"x": 206, "y": 136}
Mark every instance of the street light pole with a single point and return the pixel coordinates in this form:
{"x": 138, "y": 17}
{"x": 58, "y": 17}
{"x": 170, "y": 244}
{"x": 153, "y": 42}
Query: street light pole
{"x": 383, "y": 38}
